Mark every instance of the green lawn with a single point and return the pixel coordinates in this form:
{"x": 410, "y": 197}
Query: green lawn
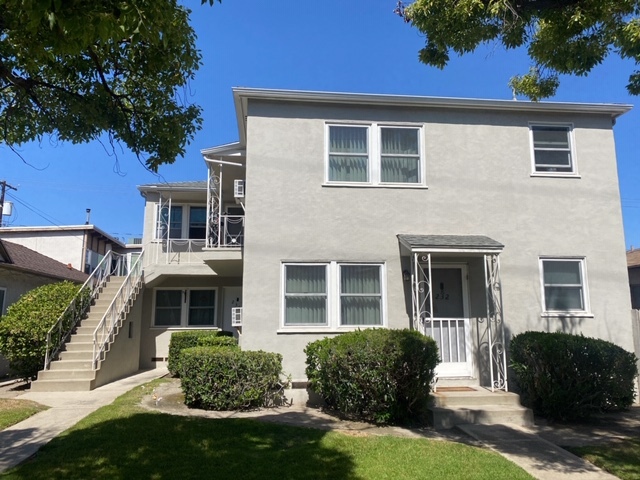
{"x": 124, "y": 441}
{"x": 13, "y": 411}
{"x": 619, "y": 458}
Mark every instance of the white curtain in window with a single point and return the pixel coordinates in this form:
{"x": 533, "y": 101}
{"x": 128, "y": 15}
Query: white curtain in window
{"x": 400, "y": 161}
{"x": 360, "y": 295}
{"x": 305, "y": 294}
{"x": 563, "y": 285}
{"x": 348, "y": 154}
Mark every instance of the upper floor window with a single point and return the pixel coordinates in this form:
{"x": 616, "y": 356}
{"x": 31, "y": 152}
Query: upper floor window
{"x": 182, "y": 222}
{"x": 553, "y": 150}
{"x": 374, "y": 154}
{"x": 564, "y": 286}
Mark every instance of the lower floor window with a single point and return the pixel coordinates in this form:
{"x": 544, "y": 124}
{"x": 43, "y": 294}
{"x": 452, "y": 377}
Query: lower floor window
{"x": 185, "y": 308}
{"x": 564, "y": 285}
{"x": 332, "y": 294}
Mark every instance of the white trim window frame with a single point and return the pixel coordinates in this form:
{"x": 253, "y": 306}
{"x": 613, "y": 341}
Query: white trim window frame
{"x": 564, "y": 286}
{"x": 361, "y": 155}
{"x": 182, "y": 303}
{"x": 552, "y": 155}
{"x": 364, "y": 299}
{"x": 185, "y": 222}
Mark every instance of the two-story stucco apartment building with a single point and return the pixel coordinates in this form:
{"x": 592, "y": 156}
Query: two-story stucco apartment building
{"x": 468, "y": 220}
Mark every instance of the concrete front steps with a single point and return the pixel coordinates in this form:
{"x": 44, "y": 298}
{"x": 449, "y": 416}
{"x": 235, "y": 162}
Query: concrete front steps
{"x": 72, "y": 371}
{"x": 461, "y": 405}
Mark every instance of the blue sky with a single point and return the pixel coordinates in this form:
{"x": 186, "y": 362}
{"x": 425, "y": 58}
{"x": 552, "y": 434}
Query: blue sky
{"x": 356, "y": 46}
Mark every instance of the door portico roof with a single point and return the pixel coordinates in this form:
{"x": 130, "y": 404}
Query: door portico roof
{"x": 450, "y": 243}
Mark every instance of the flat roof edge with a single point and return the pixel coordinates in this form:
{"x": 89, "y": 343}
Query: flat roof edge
{"x": 613, "y": 109}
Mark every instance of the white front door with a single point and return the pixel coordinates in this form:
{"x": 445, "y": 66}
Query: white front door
{"x": 449, "y": 326}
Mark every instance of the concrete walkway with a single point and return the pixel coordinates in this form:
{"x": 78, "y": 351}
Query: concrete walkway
{"x": 534, "y": 449}
{"x": 21, "y": 441}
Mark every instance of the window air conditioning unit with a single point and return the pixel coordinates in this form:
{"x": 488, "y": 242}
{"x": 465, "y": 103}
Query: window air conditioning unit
{"x": 236, "y": 317}
{"x": 238, "y": 188}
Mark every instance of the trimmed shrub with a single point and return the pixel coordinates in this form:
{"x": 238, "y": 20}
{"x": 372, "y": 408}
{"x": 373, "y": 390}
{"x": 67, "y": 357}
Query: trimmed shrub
{"x": 216, "y": 378}
{"x": 195, "y": 338}
{"x": 378, "y": 375}
{"x": 569, "y": 377}
{"x": 23, "y": 330}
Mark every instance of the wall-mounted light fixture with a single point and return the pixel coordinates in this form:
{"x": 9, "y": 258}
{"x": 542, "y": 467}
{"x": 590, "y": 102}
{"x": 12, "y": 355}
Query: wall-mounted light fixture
{"x": 406, "y": 276}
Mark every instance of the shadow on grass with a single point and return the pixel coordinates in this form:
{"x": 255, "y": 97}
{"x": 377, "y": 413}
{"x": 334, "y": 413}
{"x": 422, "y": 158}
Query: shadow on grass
{"x": 156, "y": 446}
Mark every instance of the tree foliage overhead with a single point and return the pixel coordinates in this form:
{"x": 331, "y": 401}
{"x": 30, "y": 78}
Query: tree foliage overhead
{"x": 76, "y": 69}
{"x": 561, "y": 36}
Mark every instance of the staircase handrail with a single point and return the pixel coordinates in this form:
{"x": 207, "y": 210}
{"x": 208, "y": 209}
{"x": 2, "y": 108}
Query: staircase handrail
{"x": 75, "y": 311}
{"x": 105, "y": 329}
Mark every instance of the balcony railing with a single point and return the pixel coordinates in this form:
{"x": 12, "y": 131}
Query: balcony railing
{"x": 227, "y": 233}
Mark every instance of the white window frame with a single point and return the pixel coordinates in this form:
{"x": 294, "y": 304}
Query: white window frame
{"x": 572, "y": 150}
{"x": 586, "y": 311}
{"x": 374, "y": 155}
{"x": 334, "y": 296}
{"x": 186, "y": 213}
{"x": 184, "y": 312}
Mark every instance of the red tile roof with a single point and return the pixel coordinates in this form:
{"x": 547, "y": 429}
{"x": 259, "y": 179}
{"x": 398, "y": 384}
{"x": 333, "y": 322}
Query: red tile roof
{"x": 633, "y": 258}
{"x": 25, "y": 259}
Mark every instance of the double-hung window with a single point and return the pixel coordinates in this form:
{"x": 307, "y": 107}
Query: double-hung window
{"x": 374, "y": 155}
{"x": 185, "y": 308}
{"x": 564, "y": 286}
{"x": 182, "y": 222}
{"x": 332, "y": 295}
{"x": 553, "y": 150}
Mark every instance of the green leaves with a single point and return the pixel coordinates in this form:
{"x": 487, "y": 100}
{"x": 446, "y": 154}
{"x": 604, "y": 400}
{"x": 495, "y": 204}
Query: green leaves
{"x": 76, "y": 70}
{"x": 562, "y": 37}
{"x": 23, "y": 330}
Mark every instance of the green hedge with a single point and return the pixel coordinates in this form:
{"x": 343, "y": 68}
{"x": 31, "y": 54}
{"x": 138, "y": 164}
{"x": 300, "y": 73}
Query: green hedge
{"x": 23, "y": 330}
{"x": 215, "y": 378}
{"x": 569, "y": 377}
{"x": 378, "y": 375}
{"x": 195, "y": 338}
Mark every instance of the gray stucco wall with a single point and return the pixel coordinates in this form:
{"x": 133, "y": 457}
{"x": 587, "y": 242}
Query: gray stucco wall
{"x": 155, "y": 340}
{"x": 478, "y": 170}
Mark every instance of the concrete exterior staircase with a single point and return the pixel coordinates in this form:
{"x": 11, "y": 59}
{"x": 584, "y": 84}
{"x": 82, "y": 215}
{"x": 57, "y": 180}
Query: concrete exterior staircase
{"x": 72, "y": 371}
{"x": 454, "y": 406}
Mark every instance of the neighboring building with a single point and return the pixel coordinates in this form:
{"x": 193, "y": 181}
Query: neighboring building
{"x": 467, "y": 220}
{"x": 81, "y": 246}
{"x": 22, "y": 270}
{"x": 633, "y": 264}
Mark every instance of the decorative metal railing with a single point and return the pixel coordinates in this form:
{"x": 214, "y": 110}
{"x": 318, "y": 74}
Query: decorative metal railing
{"x": 111, "y": 264}
{"x": 227, "y": 232}
{"x": 111, "y": 322}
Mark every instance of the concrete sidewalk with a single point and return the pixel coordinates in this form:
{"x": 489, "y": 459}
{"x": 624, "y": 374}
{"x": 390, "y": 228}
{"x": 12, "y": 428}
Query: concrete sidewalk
{"x": 21, "y": 441}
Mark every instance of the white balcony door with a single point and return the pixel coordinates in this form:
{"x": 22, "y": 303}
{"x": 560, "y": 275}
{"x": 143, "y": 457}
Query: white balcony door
{"x": 450, "y": 324}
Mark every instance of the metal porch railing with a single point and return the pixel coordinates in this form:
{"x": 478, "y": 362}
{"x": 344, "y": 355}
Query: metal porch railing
{"x": 109, "y": 325}
{"x": 111, "y": 264}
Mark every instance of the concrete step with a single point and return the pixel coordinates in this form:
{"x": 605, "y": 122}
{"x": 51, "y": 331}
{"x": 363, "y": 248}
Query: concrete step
{"x": 449, "y": 417}
{"x": 66, "y": 375}
{"x": 61, "y": 385}
{"x": 461, "y": 405}
{"x": 77, "y": 355}
{"x": 81, "y": 338}
{"x": 78, "y": 347}
{"x": 475, "y": 396}
{"x": 70, "y": 365}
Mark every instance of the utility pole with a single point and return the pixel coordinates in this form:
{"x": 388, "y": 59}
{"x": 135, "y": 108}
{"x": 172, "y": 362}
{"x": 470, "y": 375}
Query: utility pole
{"x": 3, "y": 187}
